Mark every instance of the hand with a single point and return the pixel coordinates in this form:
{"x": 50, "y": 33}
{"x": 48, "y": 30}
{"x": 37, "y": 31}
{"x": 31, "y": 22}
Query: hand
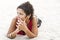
{"x": 21, "y": 25}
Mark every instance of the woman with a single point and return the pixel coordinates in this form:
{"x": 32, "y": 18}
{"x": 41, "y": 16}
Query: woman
{"x": 25, "y": 23}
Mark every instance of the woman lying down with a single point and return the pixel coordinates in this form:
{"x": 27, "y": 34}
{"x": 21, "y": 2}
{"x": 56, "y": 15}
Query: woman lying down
{"x": 25, "y": 23}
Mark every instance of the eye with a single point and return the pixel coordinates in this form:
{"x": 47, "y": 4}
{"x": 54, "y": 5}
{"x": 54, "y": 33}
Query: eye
{"x": 20, "y": 13}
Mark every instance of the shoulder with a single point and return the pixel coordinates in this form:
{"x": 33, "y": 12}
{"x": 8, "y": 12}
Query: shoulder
{"x": 34, "y": 18}
{"x": 14, "y": 19}
{"x": 34, "y": 22}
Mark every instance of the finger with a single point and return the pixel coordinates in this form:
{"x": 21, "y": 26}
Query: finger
{"x": 22, "y": 22}
{"x": 18, "y": 23}
{"x": 17, "y": 26}
{"x": 19, "y": 19}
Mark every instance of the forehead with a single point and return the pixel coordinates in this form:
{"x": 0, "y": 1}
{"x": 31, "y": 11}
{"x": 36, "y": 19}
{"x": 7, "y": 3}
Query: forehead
{"x": 20, "y": 10}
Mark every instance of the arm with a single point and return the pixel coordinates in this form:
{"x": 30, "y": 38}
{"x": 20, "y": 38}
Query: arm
{"x": 31, "y": 34}
{"x": 12, "y": 30}
{"x": 34, "y": 32}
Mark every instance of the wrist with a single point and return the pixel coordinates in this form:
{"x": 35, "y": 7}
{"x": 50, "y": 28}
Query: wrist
{"x": 25, "y": 30}
{"x": 17, "y": 30}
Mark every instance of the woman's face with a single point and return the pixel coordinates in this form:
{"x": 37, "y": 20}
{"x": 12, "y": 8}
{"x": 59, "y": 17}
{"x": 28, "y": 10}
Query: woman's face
{"x": 21, "y": 13}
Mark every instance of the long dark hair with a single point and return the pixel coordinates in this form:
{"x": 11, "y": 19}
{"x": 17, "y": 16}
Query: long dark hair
{"x": 28, "y": 9}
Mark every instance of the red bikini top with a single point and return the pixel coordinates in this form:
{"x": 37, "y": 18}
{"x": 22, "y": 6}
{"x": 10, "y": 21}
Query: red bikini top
{"x": 29, "y": 27}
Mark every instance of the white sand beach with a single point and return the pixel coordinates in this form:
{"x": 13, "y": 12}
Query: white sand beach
{"x": 47, "y": 10}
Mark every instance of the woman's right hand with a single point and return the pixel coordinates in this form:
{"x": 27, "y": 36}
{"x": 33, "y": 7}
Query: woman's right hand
{"x": 13, "y": 34}
{"x": 18, "y": 19}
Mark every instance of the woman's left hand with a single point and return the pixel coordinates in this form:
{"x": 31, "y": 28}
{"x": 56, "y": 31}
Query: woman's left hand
{"x": 21, "y": 24}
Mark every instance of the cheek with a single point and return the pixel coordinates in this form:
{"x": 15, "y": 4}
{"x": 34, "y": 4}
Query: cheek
{"x": 22, "y": 17}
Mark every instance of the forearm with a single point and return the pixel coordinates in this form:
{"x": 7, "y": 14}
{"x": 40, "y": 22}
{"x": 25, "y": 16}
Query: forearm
{"x": 13, "y": 34}
{"x": 29, "y": 33}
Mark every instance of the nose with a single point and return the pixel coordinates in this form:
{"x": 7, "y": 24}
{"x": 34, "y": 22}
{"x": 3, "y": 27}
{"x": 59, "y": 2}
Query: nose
{"x": 19, "y": 16}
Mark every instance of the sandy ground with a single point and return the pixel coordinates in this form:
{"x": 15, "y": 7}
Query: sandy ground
{"x": 47, "y": 10}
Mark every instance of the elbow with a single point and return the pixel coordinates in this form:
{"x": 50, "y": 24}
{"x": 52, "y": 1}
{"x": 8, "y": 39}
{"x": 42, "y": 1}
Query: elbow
{"x": 33, "y": 36}
{"x": 11, "y": 37}
{"x": 8, "y": 36}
